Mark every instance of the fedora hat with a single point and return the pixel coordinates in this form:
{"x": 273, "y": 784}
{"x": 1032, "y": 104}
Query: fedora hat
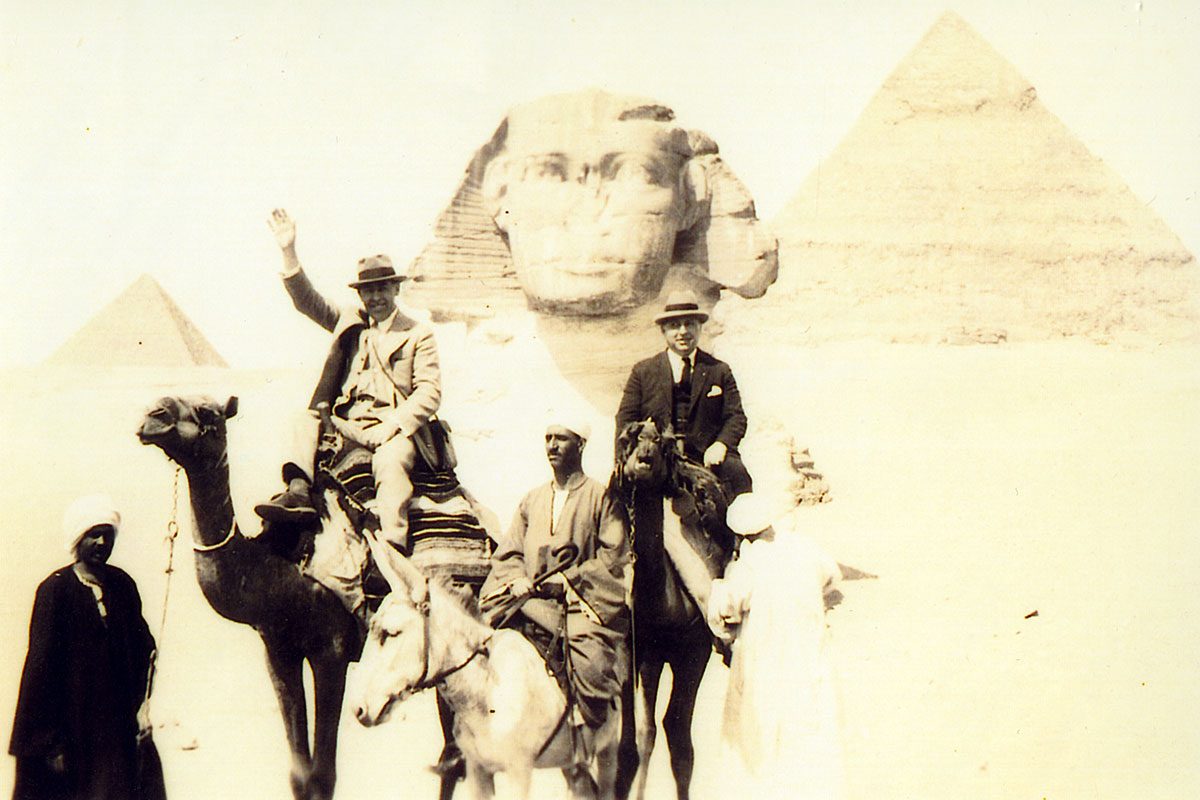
{"x": 376, "y": 269}
{"x": 681, "y": 304}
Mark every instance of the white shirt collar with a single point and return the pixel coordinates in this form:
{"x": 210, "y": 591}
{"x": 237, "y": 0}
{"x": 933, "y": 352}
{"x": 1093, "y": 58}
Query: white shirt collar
{"x": 676, "y": 362}
{"x": 387, "y": 323}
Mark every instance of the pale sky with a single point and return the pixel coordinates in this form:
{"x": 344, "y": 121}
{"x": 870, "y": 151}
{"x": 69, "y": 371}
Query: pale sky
{"x": 156, "y": 137}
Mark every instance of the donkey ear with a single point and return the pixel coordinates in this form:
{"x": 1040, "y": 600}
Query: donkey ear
{"x": 231, "y": 407}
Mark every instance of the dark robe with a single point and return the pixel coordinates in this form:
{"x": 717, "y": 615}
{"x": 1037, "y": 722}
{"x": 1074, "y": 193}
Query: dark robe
{"x": 84, "y": 679}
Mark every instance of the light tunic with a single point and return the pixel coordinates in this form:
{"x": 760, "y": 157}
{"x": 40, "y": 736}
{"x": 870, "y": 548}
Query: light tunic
{"x": 780, "y": 714}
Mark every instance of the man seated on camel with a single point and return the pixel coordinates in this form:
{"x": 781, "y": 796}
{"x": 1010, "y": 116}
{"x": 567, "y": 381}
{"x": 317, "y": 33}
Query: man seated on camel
{"x": 693, "y": 391}
{"x": 383, "y": 384}
{"x": 571, "y": 514}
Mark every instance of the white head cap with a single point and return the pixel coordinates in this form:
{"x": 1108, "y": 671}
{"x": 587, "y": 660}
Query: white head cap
{"x": 753, "y": 513}
{"x": 86, "y": 513}
{"x": 575, "y": 422}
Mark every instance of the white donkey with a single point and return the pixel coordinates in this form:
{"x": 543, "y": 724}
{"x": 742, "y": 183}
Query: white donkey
{"x": 510, "y": 714}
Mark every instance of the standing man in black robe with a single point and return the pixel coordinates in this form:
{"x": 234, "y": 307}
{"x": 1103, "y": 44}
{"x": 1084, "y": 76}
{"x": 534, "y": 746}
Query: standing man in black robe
{"x": 87, "y": 672}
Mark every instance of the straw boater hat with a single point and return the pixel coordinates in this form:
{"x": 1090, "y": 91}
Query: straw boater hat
{"x": 681, "y": 304}
{"x": 376, "y": 269}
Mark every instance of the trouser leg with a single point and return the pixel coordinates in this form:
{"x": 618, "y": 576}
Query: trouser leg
{"x": 734, "y": 477}
{"x": 302, "y": 449}
{"x": 393, "y": 489}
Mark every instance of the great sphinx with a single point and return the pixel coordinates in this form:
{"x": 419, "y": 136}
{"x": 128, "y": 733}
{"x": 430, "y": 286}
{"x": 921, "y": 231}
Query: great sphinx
{"x": 585, "y": 208}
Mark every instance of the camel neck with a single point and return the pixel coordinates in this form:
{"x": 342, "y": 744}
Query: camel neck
{"x": 209, "y": 489}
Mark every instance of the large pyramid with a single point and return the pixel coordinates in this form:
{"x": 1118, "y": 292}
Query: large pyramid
{"x": 959, "y": 206}
{"x": 142, "y": 327}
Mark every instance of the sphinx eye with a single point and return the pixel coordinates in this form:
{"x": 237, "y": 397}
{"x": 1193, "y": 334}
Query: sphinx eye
{"x": 546, "y": 168}
{"x": 633, "y": 169}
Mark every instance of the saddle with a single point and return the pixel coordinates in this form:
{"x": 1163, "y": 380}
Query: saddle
{"x": 446, "y": 536}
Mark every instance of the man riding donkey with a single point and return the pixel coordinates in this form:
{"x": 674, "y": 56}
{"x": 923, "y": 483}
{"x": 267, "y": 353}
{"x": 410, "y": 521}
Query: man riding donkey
{"x": 568, "y": 534}
{"x": 380, "y": 389}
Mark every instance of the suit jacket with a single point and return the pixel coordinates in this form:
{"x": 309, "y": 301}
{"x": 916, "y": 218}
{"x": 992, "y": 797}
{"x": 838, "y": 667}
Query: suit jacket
{"x": 714, "y": 409}
{"x": 407, "y": 349}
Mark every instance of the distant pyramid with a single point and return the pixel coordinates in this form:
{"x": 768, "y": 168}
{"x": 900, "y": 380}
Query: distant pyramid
{"x": 142, "y": 327}
{"x": 958, "y": 202}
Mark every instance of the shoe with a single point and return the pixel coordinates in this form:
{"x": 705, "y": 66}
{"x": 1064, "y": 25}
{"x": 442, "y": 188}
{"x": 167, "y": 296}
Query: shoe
{"x": 291, "y": 506}
{"x": 450, "y": 763}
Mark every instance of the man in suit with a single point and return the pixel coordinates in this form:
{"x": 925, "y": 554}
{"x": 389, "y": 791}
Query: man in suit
{"x": 691, "y": 390}
{"x": 383, "y": 384}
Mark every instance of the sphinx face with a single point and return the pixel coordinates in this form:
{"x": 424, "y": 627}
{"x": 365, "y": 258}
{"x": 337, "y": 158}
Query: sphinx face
{"x": 591, "y": 212}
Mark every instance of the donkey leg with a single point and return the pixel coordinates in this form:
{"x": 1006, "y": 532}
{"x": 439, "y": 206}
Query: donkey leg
{"x": 450, "y": 767}
{"x": 329, "y": 686}
{"x": 608, "y": 744}
{"x": 285, "y": 666}
{"x": 627, "y": 753}
{"x": 482, "y": 782}
{"x": 650, "y": 673}
{"x": 686, "y": 672}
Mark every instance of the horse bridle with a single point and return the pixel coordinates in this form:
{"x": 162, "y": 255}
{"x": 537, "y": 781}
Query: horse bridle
{"x": 425, "y": 681}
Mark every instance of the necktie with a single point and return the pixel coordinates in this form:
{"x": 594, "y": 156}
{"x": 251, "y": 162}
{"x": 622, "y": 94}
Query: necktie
{"x": 685, "y": 380}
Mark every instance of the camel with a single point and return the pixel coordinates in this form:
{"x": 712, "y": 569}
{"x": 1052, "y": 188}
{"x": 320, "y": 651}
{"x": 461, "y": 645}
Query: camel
{"x": 677, "y": 524}
{"x": 245, "y": 581}
{"x": 510, "y": 713}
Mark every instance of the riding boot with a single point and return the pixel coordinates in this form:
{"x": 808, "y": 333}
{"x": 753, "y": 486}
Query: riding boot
{"x": 294, "y": 504}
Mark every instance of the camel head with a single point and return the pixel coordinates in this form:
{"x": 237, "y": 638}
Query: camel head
{"x": 644, "y": 454}
{"x": 190, "y": 430}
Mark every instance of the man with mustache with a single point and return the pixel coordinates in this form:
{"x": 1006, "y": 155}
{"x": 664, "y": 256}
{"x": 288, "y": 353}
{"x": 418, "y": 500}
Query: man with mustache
{"x": 383, "y": 383}
{"x": 693, "y": 391}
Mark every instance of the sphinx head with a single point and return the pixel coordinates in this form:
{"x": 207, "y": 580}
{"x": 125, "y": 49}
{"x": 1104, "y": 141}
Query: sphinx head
{"x": 596, "y": 197}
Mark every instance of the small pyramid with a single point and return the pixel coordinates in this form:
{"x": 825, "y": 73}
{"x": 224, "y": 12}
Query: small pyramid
{"x": 958, "y": 202}
{"x": 142, "y": 327}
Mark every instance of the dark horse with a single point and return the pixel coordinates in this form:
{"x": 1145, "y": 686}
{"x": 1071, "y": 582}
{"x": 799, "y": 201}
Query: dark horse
{"x": 671, "y": 502}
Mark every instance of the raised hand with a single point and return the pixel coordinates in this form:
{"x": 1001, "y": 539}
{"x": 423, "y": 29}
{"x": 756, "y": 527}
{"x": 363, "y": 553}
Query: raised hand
{"x": 283, "y": 227}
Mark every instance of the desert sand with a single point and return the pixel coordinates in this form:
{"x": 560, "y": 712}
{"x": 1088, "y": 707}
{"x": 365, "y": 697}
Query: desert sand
{"x": 980, "y": 483}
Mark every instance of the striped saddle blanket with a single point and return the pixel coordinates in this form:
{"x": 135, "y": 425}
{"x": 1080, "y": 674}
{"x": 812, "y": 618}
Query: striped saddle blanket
{"x": 446, "y": 536}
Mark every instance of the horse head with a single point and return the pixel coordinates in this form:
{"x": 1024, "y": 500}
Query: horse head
{"x": 645, "y": 456}
{"x": 190, "y": 430}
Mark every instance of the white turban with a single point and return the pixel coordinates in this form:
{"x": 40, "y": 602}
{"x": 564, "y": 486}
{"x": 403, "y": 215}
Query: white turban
{"x": 753, "y": 513}
{"x": 575, "y": 422}
{"x": 86, "y": 513}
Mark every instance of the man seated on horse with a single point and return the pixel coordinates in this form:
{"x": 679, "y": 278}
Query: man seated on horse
{"x": 383, "y": 384}
{"x": 691, "y": 390}
{"x": 569, "y": 532}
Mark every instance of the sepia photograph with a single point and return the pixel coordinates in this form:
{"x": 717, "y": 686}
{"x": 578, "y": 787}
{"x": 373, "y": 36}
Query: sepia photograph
{"x": 570, "y": 400}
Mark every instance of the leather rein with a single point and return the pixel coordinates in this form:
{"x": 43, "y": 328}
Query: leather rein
{"x": 426, "y": 681}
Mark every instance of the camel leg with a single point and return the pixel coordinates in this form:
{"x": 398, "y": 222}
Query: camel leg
{"x": 285, "y": 666}
{"x": 687, "y": 670}
{"x": 329, "y": 686}
{"x": 650, "y": 673}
